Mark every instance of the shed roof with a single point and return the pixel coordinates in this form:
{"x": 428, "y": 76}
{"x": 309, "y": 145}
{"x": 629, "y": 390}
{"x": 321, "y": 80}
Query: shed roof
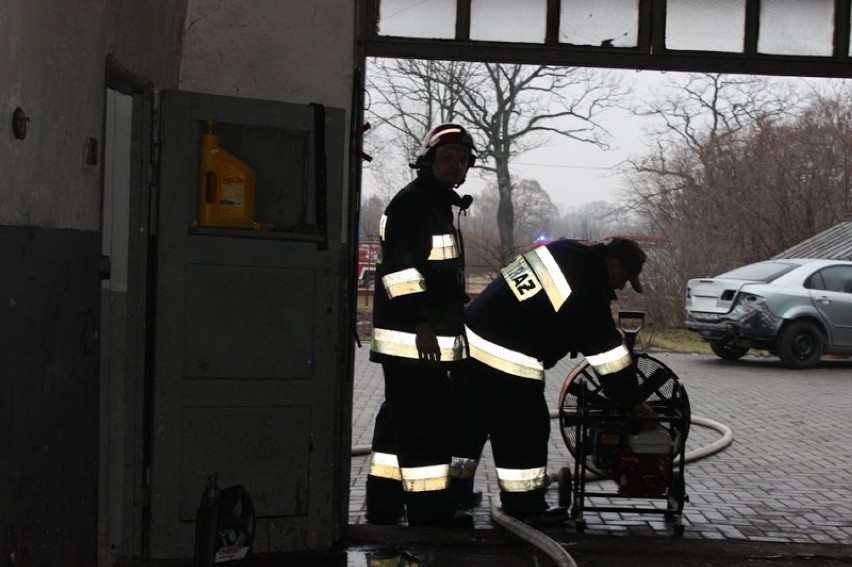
{"x": 834, "y": 243}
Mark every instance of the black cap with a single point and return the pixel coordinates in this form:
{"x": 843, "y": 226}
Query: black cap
{"x": 631, "y": 257}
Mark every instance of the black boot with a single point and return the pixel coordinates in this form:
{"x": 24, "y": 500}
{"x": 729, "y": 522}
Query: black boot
{"x": 384, "y": 501}
{"x": 434, "y": 509}
{"x": 530, "y": 507}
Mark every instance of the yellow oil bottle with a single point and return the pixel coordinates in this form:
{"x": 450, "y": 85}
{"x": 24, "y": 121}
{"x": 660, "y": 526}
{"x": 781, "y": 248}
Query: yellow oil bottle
{"x": 226, "y": 185}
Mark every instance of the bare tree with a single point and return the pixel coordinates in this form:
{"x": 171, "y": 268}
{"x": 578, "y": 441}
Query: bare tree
{"x": 510, "y": 108}
{"x": 597, "y": 220}
{"x": 691, "y": 185}
{"x": 406, "y": 99}
{"x": 517, "y": 108}
{"x": 827, "y": 121}
{"x": 742, "y": 169}
{"x": 371, "y": 213}
{"x": 535, "y": 215}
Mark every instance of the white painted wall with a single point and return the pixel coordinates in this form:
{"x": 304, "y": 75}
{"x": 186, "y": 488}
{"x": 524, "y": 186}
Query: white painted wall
{"x": 286, "y": 50}
{"x": 54, "y": 61}
{"x": 53, "y": 65}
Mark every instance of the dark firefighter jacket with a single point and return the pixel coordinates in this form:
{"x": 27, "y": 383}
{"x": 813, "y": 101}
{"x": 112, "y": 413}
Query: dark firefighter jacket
{"x": 550, "y": 301}
{"x": 420, "y": 276}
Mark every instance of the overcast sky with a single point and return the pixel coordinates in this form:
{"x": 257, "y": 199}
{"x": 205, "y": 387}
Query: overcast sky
{"x": 574, "y": 173}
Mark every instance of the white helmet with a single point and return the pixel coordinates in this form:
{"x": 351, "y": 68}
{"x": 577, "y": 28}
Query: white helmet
{"x": 442, "y": 135}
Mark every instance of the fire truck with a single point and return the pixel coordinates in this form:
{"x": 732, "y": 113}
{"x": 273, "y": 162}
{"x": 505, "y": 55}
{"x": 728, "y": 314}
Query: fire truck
{"x": 368, "y": 254}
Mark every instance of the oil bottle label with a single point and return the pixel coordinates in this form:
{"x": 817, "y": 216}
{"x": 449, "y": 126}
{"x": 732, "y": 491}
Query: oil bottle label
{"x": 232, "y": 199}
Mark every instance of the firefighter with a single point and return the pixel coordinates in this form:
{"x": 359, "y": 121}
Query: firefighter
{"x": 550, "y": 301}
{"x": 418, "y": 334}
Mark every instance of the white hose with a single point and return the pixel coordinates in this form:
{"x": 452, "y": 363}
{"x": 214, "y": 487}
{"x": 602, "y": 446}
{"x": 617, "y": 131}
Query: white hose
{"x": 527, "y": 533}
{"x": 694, "y": 455}
{"x": 359, "y": 450}
{"x": 726, "y": 439}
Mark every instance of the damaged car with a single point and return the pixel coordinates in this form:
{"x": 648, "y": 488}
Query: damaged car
{"x": 797, "y": 309}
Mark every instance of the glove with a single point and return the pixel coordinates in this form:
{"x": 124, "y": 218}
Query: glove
{"x": 622, "y": 387}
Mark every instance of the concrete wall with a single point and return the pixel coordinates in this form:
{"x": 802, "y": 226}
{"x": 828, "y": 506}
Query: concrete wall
{"x": 54, "y": 67}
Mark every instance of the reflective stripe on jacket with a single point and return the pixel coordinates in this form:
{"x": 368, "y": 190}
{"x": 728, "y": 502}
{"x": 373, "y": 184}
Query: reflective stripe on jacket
{"x": 421, "y": 274}
{"x": 531, "y": 273}
{"x": 611, "y": 361}
{"x": 403, "y": 345}
{"x": 410, "y": 280}
{"x": 537, "y": 271}
{"x": 550, "y": 301}
{"x": 503, "y": 359}
{"x": 444, "y": 247}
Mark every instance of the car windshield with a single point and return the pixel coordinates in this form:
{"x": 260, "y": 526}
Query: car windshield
{"x": 760, "y": 272}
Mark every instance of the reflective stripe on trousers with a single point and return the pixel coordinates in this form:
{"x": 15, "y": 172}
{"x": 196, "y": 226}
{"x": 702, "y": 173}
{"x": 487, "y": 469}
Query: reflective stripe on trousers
{"x": 425, "y": 479}
{"x": 463, "y": 468}
{"x": 384, "y": 465}
{"x": 522, "y": 480}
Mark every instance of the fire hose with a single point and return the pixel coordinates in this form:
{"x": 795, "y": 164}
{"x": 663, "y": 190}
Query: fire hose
{"x": 691, "y": 456}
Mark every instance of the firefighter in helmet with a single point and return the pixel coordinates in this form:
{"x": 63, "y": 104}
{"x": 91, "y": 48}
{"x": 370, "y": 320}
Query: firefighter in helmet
{"x": 418, "y": 335}
{"x": 550, "y": 301}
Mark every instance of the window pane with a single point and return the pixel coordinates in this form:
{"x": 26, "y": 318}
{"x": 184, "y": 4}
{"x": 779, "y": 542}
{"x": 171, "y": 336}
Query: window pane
{"x": 838, "y": 278}
{"x": 796, "y": 27}
{"x": 705, "y": 26}
{"x": 759, "y": 271}
{"x": 502, "y": 20}
{"x": 600, "y": 22}
{"x": 418, "y": 18}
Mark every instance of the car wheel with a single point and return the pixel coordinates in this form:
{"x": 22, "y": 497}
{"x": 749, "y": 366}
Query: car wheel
{"x": 727, "y": 351}
{"x": 800, "y": 345}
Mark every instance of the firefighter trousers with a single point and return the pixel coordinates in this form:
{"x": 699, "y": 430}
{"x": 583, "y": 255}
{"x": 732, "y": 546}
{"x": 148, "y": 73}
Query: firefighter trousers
{"x": 384, "y": 483}
{"x": 419, "y": 404}
{"x": 517, "y": 419}
{"x": 469, "y": 431}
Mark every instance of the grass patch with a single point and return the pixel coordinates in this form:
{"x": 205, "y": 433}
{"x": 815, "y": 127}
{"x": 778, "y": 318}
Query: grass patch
{"x": 672, "y": 340}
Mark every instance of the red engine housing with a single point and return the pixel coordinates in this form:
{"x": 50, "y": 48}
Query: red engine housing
{"x": 642, "y": 476}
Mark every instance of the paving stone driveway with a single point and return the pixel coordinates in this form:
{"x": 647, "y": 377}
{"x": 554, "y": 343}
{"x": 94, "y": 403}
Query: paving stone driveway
{"x": 786, "y": 477}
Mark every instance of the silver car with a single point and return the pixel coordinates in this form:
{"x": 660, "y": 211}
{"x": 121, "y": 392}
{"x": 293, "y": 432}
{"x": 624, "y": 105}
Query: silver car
{"x": 797, "y": 309}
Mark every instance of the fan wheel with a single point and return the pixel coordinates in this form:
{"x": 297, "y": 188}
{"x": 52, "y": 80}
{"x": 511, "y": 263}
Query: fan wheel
{"x": 659, "y": 386}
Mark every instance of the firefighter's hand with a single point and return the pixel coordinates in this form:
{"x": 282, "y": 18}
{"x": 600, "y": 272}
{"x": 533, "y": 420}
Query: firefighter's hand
{"x": 427, "y": 343}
